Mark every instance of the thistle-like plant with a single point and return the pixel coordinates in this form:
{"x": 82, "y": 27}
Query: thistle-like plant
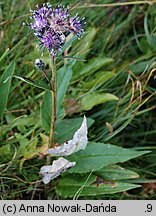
{"x": 52, "y": 26}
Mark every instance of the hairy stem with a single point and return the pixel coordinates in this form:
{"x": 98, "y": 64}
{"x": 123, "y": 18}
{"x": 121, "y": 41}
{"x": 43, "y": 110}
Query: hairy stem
{"x": 53, "y": 116}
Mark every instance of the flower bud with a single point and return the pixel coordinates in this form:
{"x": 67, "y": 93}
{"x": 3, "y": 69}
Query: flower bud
{"x": 39, "y": 64}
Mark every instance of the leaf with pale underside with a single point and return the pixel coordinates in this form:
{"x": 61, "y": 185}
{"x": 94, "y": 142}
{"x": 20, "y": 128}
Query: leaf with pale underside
{"x": 78, "y": 142}
{"x": 52, "y": 171}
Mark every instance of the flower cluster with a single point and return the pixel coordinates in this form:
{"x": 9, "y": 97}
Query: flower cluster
{"x": 52, "y": 26}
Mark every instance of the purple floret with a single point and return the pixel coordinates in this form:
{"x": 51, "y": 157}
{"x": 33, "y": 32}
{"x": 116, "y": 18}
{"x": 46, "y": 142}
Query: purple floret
{"x": 52, "y": 41}
{"x": 75, "y": 25}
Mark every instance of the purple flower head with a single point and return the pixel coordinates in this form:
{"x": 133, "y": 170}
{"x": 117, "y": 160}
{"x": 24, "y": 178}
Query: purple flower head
{"x": 52, "y": 25}
{"x": 52, "y": 41}
{"x": 75, "y": 25}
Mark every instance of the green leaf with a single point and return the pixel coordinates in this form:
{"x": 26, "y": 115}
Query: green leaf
{"x": 46, "y": 110}
{"x": 93, "y": 99}
{"x": 5, "y": 152}
{"x": 5, "y": 83}
{"x": 82, "y": 47}
{"x": 115, "y": 172}
{"x": 22, "y": 123}
{"x": 100, "y": 78}
{"x": 91, "y": 66}
{"x": 76, "y": 186}
{"x": 141, "y": 181}
{"x": 151, "y": 38}
{"x": 140, "y": 66}
{"x": 4, "y": 54}
{"x": 39, "y": 84}
{"x": 67, "y": 127}
{"x": 67, "y": 44}
{"x": 63, "y": 78}
{"x": 29, "y": 150}
{"x": 99, "y": 155}
{"x": 23, "y": 143}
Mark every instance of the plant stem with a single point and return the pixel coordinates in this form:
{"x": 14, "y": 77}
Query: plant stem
{"x": 46, "y": 76}
{"x": 53, "y": 90}
{"x": 117, "y": 4}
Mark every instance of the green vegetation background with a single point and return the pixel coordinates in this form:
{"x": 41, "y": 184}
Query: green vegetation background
{"x": 117, "y": 80}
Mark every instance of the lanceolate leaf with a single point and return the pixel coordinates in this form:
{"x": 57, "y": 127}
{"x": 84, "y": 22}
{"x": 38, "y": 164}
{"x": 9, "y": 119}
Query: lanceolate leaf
{"x": 83, "y": 46}
{"x": 46, "y": 110}
{"x": 99, "y": 155}
{"x": 63, "y": 78}
{"x": 76, "y": 186}
{"x": 39, "y": 84}
{"x": 115, "y": 172}
{"x": 100, "y": 78}
{"x": 91, "y": 66}
{"x": 5, "y": 82}
{"x": 93, "y": 99}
